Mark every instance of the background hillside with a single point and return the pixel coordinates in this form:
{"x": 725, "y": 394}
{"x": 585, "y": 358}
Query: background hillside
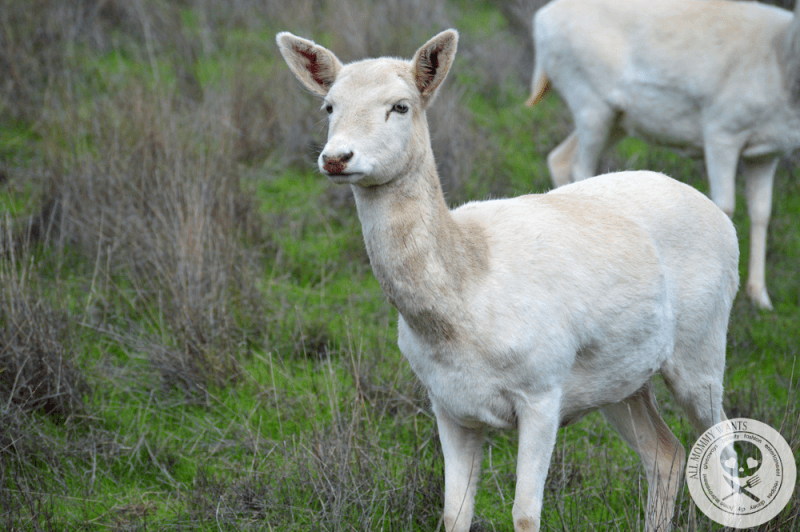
{"x": 190, "y": 334}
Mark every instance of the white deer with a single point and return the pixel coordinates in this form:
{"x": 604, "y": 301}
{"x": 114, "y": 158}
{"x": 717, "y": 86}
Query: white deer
{"x": 528, "y": 312}
{"x": 713, "y": 78}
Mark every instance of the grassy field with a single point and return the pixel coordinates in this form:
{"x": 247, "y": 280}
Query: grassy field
{"x": 190, "y": 334}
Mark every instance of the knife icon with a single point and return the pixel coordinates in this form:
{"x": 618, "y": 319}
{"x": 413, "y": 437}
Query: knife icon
{"x": 739, "y": 488}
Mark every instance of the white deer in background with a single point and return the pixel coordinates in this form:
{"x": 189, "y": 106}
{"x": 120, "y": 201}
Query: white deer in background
{"x": 714, "y": 78}
{"x": 529, "y": 312}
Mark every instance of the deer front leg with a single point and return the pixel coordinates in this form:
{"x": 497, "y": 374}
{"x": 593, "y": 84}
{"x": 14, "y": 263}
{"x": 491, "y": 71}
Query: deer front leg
{"x": 759, "y": 175}
{"x": 538, "y": 420}
{"x": 463, "y": 452}
{"x": 721, "y": 159}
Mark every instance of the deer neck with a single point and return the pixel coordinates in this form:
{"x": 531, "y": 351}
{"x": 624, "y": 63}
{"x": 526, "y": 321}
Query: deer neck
{"x": 424, "y": 261}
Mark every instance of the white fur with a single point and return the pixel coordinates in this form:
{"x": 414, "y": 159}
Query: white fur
{"x": 529, "y": 312}
{"x": 713, "y": 78}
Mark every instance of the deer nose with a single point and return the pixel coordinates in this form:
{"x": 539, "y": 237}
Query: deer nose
{"x": 340, "y": 158}
{"x": 336, "y": 164}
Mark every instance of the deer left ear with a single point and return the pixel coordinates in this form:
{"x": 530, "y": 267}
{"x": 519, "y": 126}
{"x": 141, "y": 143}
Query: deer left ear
{"x": 432, "y": 62}
{"x": 315, "y": 66}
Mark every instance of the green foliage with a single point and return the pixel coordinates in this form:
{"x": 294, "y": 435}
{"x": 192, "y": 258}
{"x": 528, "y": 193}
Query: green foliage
{"x": 264, "y": 390}
{"x": 17, "y": 141}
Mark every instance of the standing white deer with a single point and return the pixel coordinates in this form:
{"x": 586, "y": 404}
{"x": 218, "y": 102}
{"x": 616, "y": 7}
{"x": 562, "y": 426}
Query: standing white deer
{"x": 529, "y": 312}
{"x": 713, "y": 78}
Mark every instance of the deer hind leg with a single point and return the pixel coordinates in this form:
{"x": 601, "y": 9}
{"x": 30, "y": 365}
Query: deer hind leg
{"x": 695, "y": 373}
{"x": 694, "y": 376}
{"x": 662, "y": 455}
{"x": 593, "y": 126}
{"x": 759, "y": 175}
{"x": 722, "y": 156}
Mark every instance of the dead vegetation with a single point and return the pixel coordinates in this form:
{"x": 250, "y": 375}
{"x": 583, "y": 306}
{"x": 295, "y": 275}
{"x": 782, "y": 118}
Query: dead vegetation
{"x": 37, "y": 372}
{"x": 132, "y": 282}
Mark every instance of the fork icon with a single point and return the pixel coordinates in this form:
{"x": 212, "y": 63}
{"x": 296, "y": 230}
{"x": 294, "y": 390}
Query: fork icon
{"x": 742, "y": 488}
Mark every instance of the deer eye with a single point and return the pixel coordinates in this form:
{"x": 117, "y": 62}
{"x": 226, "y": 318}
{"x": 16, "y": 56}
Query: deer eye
{"x": 329, "y": 108}
{"x": 401, "y": 108}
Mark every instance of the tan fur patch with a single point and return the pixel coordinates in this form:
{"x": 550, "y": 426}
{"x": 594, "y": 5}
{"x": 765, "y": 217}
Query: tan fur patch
{"x": 425, "y": 261}
{"x": 526, "y": 524}
{"x": 432, "y": 325}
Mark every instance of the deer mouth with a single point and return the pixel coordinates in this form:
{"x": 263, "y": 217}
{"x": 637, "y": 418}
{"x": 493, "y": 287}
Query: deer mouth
{"x": 341, "y": 177}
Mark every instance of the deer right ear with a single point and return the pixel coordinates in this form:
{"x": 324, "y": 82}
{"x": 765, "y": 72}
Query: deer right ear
{"x": 316, "y": 67}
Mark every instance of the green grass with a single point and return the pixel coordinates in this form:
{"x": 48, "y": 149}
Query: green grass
{"x": 322, "y": 425}
{"x": 17, "y": 141}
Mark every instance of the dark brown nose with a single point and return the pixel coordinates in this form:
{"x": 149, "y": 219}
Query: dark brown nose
{"x": 336, "y": 165}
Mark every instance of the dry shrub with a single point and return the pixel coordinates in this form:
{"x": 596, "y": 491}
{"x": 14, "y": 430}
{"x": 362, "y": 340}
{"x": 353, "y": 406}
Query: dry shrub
{"x": 274, "y": 117}
{"x": 459, "y": 147}
{"x": 37, "y": 367}
{"x": 39, "y": 39}
{"x": 354, "y": 485}
{"x": 158, "y": 203}
{"x": 506, "y": 57}
{"x": 356, "y": 28}
{"x": 29, "y": 53}
{"x": 375, "y": 29}
{"x": 342, "y": 475}
{"x": 143, "y": 177}
{"x": 40, "y": 380}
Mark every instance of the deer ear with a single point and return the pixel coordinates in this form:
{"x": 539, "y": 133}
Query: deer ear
{"x": 316, "y": 67}
{"x": 432, "y": 62}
